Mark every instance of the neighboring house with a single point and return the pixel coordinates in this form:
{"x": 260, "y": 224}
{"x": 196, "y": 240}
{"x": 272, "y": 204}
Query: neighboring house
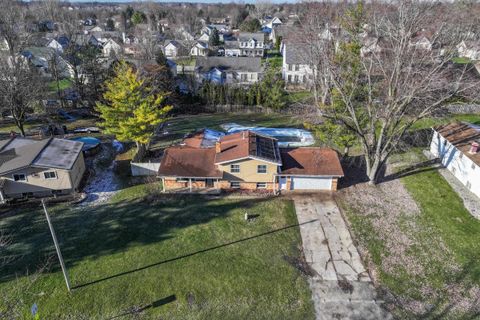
{"x": 111, "y": 48}
{"x": 422, "y": 41}
{"x": 469, "y": 49}
{"x": 200, "y": 49}
{"x": 92, "y": 29}
{"x": 457, "y": 146}
{"x": 204, "y": 37}
{"x": 278, "y": 33}
{"x": 173, "y": 49}
{"x": 83, "y": 40}
{"x": 54, "y": 44}
{"x": 296, "y": 71}
{"x": 247, "y": 160}
{"x": 39, "y": 168}
{"x": 4, "y": 45}
{"x": 232, "y": 49}
{"x": 43, "y": 57}
{"x": 245, "y": 45}
{"x": 251, "y": 44}
{"x": 272, "y": 22}
{"x": 223, "y": 70}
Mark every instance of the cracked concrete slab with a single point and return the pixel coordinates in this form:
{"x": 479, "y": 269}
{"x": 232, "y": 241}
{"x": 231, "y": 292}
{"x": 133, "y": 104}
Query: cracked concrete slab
{"x": 342, "y": 288}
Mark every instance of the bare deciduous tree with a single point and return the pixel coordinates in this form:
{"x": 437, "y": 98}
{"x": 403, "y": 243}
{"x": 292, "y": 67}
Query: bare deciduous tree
{"x": 379, "y": 91}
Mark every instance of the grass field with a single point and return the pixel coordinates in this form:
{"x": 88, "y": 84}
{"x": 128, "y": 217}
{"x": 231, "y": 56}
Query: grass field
{"x": 179, "y": 126}
{"x": 438, "y": 275}
{"x": 63, "y": 84}
{"x": 172, "y": 257}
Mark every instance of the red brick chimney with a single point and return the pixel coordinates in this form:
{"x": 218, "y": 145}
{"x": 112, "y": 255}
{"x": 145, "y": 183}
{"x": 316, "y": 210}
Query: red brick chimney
{"x": 474, "y": 148}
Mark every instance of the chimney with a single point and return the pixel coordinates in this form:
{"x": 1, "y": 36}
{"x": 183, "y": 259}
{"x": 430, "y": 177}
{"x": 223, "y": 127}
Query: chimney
{"x": 218, "y": 148}
{"x": 474, "y": 148}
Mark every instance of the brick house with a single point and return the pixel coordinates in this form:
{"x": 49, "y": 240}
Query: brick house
{"x": 247, "y": 160}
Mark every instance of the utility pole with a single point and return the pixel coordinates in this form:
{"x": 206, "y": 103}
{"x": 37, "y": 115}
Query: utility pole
{"x": 57, "y": 247}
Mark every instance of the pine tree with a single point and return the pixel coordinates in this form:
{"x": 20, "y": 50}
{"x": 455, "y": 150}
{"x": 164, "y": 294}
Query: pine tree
{"x": 131, "y": 110}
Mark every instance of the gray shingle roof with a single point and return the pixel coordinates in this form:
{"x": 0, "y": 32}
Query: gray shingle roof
{"x": 19, "y": 153}
{"x": 250, "y": 64}
{"x": 295, "y": 53}
{"x": 245, "y": 36}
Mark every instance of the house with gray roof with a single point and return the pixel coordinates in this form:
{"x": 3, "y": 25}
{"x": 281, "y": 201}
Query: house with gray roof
{"x": 39, "y": 168}
{"x": 296, "y": 70}
{"x": 246, "y": 44}
{"x": 225, "y": 70}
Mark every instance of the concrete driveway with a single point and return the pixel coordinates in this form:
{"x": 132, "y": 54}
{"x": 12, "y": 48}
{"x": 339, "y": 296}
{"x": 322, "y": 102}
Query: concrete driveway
{"x": 342, "y": 288}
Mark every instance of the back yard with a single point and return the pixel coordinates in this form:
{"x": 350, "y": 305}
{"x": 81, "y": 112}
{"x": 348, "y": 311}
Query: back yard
{"x": 418, "y": 240}
{"x": 158, "y": 256}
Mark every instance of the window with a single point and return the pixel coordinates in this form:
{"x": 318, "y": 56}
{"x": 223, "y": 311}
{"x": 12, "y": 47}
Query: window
{"x": 235, "y": 185}
{"x": 296, "y": 79}
{"x": 289, "y": 78}
{"x": 261, "y": 168}
{"x": 235, "y": 168}
{"x": 19, "y": 177}
{"x": 181, "y": 180}
{"x": 289, "y": 67}
{"x": 261, "y": 185}
{"x": 50, "y": 175}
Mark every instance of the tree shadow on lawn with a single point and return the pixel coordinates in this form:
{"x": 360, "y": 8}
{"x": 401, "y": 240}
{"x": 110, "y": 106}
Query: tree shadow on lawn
{"x": 191, "y": 254}
{"x": 107, "y": 229}
{"x": 355, "y": 171}
{"x": 429, "y": 165}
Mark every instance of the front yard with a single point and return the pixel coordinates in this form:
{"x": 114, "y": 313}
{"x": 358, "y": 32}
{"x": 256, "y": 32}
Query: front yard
{"x": 419, "y": 241}
{"x": 161, "y": 257}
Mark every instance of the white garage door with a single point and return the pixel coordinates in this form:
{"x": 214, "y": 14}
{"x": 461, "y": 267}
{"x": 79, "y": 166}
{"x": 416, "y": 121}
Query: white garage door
{"x": 311, "y": 183}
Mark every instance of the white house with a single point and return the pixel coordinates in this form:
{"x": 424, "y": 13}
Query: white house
{"x": 110, "y": 47}
{"x": 457, "y": 146}
{"x": 4, "y": 44}
{"x": 224, "y": 70}
{"x": 296, "y": 71}
{"x": 55, "y": 45}
{"x": 200, "y": 49}
{"x": 251, "y": 44}
{"x": 271, "y": 22}
{"x": 421, "y": 42}
{"x": 173, "y": 49}
{"x": 204, "y": 37}
{"x": 469, "y": 49}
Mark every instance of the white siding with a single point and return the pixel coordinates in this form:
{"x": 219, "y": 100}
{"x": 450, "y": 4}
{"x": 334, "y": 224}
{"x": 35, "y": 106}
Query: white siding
{"x": 311, "y": 183}
{"x": 464, "y": 169}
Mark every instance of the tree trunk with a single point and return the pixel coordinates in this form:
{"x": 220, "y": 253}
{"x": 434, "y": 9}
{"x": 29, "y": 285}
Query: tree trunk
{"x": 140, "y": 151}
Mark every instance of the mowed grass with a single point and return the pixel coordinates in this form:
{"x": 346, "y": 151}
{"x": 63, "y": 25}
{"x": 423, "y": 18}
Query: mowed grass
{"x": 178, "y": 127}
{"x": 186, "y": 257}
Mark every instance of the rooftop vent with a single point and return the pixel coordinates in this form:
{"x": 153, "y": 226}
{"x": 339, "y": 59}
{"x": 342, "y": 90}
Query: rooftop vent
{"x": 474, "y": 148}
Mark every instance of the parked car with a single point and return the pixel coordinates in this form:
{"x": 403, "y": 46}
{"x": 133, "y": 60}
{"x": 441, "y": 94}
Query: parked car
{"x": 87, "y": 130}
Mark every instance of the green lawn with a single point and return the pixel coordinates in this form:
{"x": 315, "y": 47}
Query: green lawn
{"x": 430, "y": 122}
{"x": 461, "y": 60}
{"x": 186, "y": 257}
{"x": 179, "y": 126}
{"x": 445, "y": 244}
{"x": 64, "y": 84}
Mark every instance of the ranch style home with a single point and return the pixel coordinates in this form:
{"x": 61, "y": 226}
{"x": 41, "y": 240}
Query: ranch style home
{"x": 39, "y": 168}
{"x": 457, "y": 146}
{"x": 248, "y": 160}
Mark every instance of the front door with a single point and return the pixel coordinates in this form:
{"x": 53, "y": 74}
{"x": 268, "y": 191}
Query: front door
{"x": 209, "y": 183}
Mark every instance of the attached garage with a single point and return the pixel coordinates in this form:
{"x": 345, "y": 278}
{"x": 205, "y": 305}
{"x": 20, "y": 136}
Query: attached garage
{"x": 311, "y": 183}
{"x": 309, "y": 169}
